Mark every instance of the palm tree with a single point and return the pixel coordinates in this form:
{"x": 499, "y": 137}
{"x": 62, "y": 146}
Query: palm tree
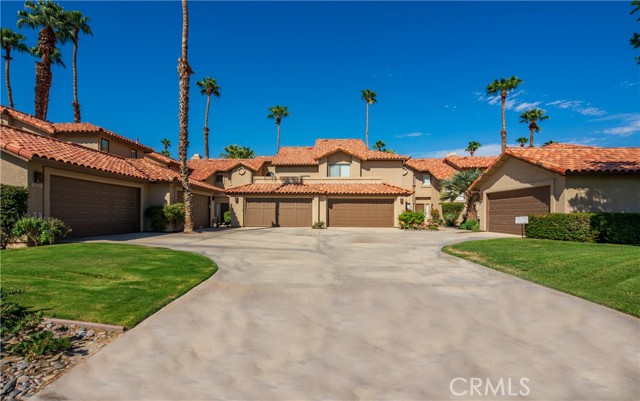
{"x": 11, "y": 41}
{"x": 166, "y": 145}
{"x": 55, "y": 56}
{"x": 532, "y": 116}
{"x": 548, "y": 143}
{"x": 522, "y": 141}
{"x": 185, "y": 71}
{"x": 75, "y": 23}
{"x": 380, "y": 145}
{"x": 278, "y": 113}
{"x": 369, "y": 97}
{"x": 238, "y": 152}
{"x": 473, "y": 146}
{"x": 458, "y": 185}
{"x": 635, "y": 39}
{"x": 49, "y": 17}
{"x": 208, "y": 87}
{"x": 503, "y": 87}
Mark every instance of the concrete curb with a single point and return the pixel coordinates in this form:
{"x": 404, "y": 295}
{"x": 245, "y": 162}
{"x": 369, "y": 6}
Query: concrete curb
{"x": 89, "y": 325}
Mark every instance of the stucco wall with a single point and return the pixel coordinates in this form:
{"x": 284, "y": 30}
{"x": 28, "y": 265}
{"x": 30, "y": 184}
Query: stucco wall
{"x": 13, "y": 171}
{"x": 603, "y": 193}
{"x": 85, "y": 140}
{"x": 311, "y": 171}
{"x": 240, "y": 176}
{"x": 390, "y": 171}
{"x": 12, "y": 122}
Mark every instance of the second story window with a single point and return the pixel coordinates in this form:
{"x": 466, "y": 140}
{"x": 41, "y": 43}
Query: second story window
{"x": 134, "y": 153}
{"x": 339, "y": 170}
{"x": 426, "y": 179}
{"x": 218, "y": 178}
{"x": 104, "y": 145}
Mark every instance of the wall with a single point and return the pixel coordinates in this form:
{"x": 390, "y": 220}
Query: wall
{"x": 391, "y": 172}
{"x": 86, "y": 140}
{"x": 311, "y": 171}
{"x": 12, "y": 122}
{"x": 239, "y": 176}
{"x": 13, "y": 170}
{"x": 603, "y": 193}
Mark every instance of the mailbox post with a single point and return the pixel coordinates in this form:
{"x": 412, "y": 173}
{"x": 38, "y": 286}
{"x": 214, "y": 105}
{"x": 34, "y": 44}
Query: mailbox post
{"x": 522, "y": 220}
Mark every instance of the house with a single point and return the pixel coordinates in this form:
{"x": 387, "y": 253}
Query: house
{"x": 560, "y": 178}
{"x": 95, "y": 180}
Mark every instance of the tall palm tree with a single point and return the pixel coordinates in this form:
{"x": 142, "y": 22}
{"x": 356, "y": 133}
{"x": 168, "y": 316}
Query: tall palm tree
{"x": 166, "y": 144}
{"x": 75, "y": 23}
{"x": 369, "y": 97}
{"x": 49, "y": 17}
{"x": 532, "y": 116}
{"x": 635, "y": 39}
{"x": 278, "y": 113}
{"x": 522, "y": 141}
{"x": 379, "y": 145}
{"x": 11, "y": 41}
{"x": 458, "y": 185}
{"x": 473, "y": 146}
{"x": 185, "y": 71}
{"x": 503, "y": 87}
{"x": 208, "y": 86}
{"x": 55, "y": 56}
{"x": 238, "y": 152}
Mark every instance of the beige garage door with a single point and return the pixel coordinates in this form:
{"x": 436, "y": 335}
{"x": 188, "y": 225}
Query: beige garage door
{"x": 199, "y": 211}
{"x": 503, "y": 207}
{"x": 361, "y": 213}
{"x": 278, "y": 213}
{"x": 93, "y": 208}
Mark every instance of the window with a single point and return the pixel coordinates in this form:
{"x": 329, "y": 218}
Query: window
{"x": 339, "y": 170}
{"x": 270, "y": 174}
{"x": 104, "y": 145}
{"x": 426, "y": 179}
{"x": 134, "y": 153}
{"x": 218, "y": 177}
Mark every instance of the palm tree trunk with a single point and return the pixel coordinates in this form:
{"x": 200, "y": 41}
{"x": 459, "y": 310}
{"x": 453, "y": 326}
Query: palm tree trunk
{"x": 531, "y": 136}
{"x": 366, "y": 127}
{"x": 46, "y": 44}
{"x": 278, "y": 142}
{"x": 472, "y": 152}
{"x": 7, "y": 57}
{"x": 75, "y": 104}
{"x": 503, "y": 132}
{"x": 206, "y": 129}
{"x": 472, "y": 213}
{"x": 184, "y": 71}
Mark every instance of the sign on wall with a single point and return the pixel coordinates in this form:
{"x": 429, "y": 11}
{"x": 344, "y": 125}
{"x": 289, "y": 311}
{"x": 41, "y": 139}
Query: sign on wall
{"x": 522, "y": 219}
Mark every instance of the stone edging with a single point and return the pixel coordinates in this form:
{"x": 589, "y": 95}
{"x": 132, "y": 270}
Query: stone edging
{"x": 88, "y": 325}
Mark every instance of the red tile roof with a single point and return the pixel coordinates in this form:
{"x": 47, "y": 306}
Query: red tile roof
{"x": 557, "y": 145}
{"x": 28, "y": 119}
{"x": 309, "y": 156}
{"x": 162, "y": 158}
{"x": 469, "y": 162}
{"x": 204, "y": 168}
{"x": 295, "y": 156}
{"x": 436, "y": 167}
{"x": 158, "y": 172}
{"x": 88, "y": 128}
{"x": 328, "y": 189}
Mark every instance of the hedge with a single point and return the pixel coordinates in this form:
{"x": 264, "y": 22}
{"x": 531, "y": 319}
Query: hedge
{"x": 615, "y": 228}
{"x": 451, "y": 212}
{"x": 13, "y": 205}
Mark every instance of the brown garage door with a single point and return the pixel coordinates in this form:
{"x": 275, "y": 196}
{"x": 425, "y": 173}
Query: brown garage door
{"x": 199, "y": 211}
{"x": 278, "y": 213}
{"x": 93, "y": 208}
{"x": 361, "y": 213}
{"x": 503, "y": 207}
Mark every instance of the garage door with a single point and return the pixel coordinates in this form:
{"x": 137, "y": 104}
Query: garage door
{"x": 199, "y": 210}
{"x": 278, "y": 213}
{"x": 93, "y": 208}
{"x": 361, "y": 213}
{"x": 503, "y": 207}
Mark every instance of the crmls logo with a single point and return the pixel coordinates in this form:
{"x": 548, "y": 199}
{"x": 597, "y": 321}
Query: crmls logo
{"x": 485, "y": 387}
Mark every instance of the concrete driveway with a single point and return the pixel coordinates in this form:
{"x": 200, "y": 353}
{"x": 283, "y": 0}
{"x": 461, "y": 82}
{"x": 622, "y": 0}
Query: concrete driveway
{"x": 349, "y": 314}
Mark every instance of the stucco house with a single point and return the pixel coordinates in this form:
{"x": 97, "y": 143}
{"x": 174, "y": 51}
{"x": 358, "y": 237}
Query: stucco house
{"x": 559, "y": 178}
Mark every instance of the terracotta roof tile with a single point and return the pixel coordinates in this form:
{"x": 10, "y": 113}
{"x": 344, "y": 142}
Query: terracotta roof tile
{"x": 89, "y": 128}
{"x": 277, "y": 188}
{"x": 295, "y": 156}
{"x": 161, "y": 158}
{"x": 436, "y": 167}
{"x": 204, "y": 168}
{"x": 328, "y": 189}
{"x": 557, "y": 145}
{"x": 362, "y": 189}
{"x": 354, "y": 147}
{"x": 469, "y": 162}
{"x": 28, "y": 119}
{"x": 158, "y": 172}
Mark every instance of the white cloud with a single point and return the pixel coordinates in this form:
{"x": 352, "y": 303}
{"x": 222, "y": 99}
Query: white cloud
{"x": 627, "y": 84}
{"x": 630, "y": 128}
{"x": 412, "y": 135}
{"x": 493, "y": 149}
{"x": 513, "y": 101}
{"x": 526, "y": 105}
{"x": 626, "y": 124}
{"x": 578, "y": 106}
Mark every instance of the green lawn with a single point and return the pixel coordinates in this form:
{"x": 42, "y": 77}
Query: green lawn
{"x": 606, "y": 274}
{"x": 104, "y": 283}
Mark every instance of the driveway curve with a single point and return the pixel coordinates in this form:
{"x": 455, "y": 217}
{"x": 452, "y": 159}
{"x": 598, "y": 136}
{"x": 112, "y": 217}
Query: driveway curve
{"x": 350, "y": 314}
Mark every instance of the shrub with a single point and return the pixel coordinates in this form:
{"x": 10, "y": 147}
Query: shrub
{"x": 617, "y": 228}
{"x": 41, "y": 342}
{"x": 157, "y": 219}
{"x": 13, "y": 206}
{"x": 435, "y": 215}
{"x": 451, "y": 212}
{"x": 470, "y": 224}
{"x": 54, "y": 230}
{"x": 227, "y": 217}
{"x": 318, "y": 225}
{"x": 561, "y": 226}
{"x": 174, "y": 214}
{"x": 411, "y": 219}
{"x": 40, "y": 230}
{"x": 15, "y": 318}
{"x": 430, "y": 225}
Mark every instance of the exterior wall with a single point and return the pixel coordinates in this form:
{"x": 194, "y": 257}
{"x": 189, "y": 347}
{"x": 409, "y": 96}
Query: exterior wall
{"x": 239, "y": 176}
{"x": 92, "y": 141}
{"x": 12, "y": 122}
{"x": 390, "y": 171}
{"x": 602, "y": 193}
{"x": 13, "y": 170}
{"x": 88, "y": 141}
{"x": 311, "y": 171}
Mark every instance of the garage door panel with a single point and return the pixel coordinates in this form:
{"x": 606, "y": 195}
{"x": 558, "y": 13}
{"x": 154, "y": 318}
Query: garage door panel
{"x": 503, "y": 207}
{"x": 361, "y": 213}
{"x": 278, "y": 213}
{"x": 200, "y": 211}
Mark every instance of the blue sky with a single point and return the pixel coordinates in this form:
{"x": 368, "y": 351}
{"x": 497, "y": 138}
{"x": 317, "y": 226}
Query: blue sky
{"x": 429, "y": 62}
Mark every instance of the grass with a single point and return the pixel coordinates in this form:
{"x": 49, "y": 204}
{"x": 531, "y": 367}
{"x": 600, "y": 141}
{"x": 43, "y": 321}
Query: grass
{"x": 103, "y": 283}
{"x": 606, "y": 274}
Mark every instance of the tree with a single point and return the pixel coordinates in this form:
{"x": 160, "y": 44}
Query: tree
{"x": 166, "y": 144}
{"x": 11, "y": 41}
{"x": 369, "y": 97}
{"x": 55, "y": 56}
{"x": 49, "y": 17}
{"x": 635, "y": 39}
{"x": 473, "y": 146}
{"x": 238, "y": 152}
{"x": 522, "y": 141}
{"x": 379, "y": 145}
{"x": 208, "y": 86}
{"x": 75, "y": 23}
{"x": 458, "y": 185}
{"x": 184, "y": 72}
{"x": 503, "y": 87}
{"x": 548, "y": 143}
{"x": 278, "y": 113}
{"x": 531, "y": 117}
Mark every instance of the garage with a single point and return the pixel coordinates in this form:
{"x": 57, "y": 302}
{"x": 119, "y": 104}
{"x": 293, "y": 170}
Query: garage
{"x": 361, "y": 213}
{"x": 200, "y": 211}
{"x": 94, "y": 208}
{"x": 503, "y": 207}
{"x": 277, "y": 213}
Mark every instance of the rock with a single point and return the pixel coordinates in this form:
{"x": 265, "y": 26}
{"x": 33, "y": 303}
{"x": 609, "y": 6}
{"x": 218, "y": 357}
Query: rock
{"x": 22, "y": 379}
{"x": 90, "y": 333}
{"x": 15, "y": 393}
{"x": 10, "y": 385}
{"x": 49, "y": 378}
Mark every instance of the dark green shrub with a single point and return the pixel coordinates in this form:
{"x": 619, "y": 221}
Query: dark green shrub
{"x": 561, "y": 226}
{"x": 318, "y": 225}
{"x": 15, "y": 317}
{"x": 13, "y": 206}
{"x": 616, "y": 228}
{"x": 470, "y": 224}
{"x": 40, "y": 343}
{"x": 435, "y": 215}
{"x": 53, "y": 231}
{"x": 411, "y": 219}
{"x": 174, "y": 214}
{"x": 227, "y": 217}
{"x": 40, "y": 230}
{"x": 157, "y": 219}
{"x": 451, "y": 212}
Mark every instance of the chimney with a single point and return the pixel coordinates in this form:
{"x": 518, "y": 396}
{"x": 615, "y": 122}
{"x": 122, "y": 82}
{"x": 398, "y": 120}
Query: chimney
{"x": 196, "y": 157}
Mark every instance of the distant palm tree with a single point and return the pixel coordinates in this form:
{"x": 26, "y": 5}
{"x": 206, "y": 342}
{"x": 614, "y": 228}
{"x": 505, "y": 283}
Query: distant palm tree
{"x": 11, "y": 41}
{"x": 635, "y": 39}
{"x": 75, "y": 23}
{"x": 503, "y": 87}
{"x": 166, "y": 144}
{"x": 458, "y": 185}
{"x": 238, "y": 152}
{"x": 369, "y": 97}
{"x": 522, "y": 141}
{"x": 208, "y": 86}
{"x": 531, "y": 116}
{"x": 379, "y": 145}
{"x": 185, "y": 71}
{"x": 548, "y": 143}
{"x": 473, "y": 146}
{"x": 49, "y": 17}
{"x": 278, "y": 113}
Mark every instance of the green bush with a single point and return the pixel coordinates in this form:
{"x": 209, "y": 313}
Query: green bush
{"x": 435, "y": 215}
{"x": 227, "y": 217}
{"x": 41, "y": 342}
{"x": 174, "y": 214}
{"x": 411, "y": 219}
{"x": 318, "y": 225}
{"x": 40, "y": 230}
{"x": 13, "y": 206}
{"x": 15, "y": 318}
{"x": 470, "y": 224}
{"x": 451, "y": 212}
{"x": 157, "y": 219}
{"x": 616, "y": 228}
